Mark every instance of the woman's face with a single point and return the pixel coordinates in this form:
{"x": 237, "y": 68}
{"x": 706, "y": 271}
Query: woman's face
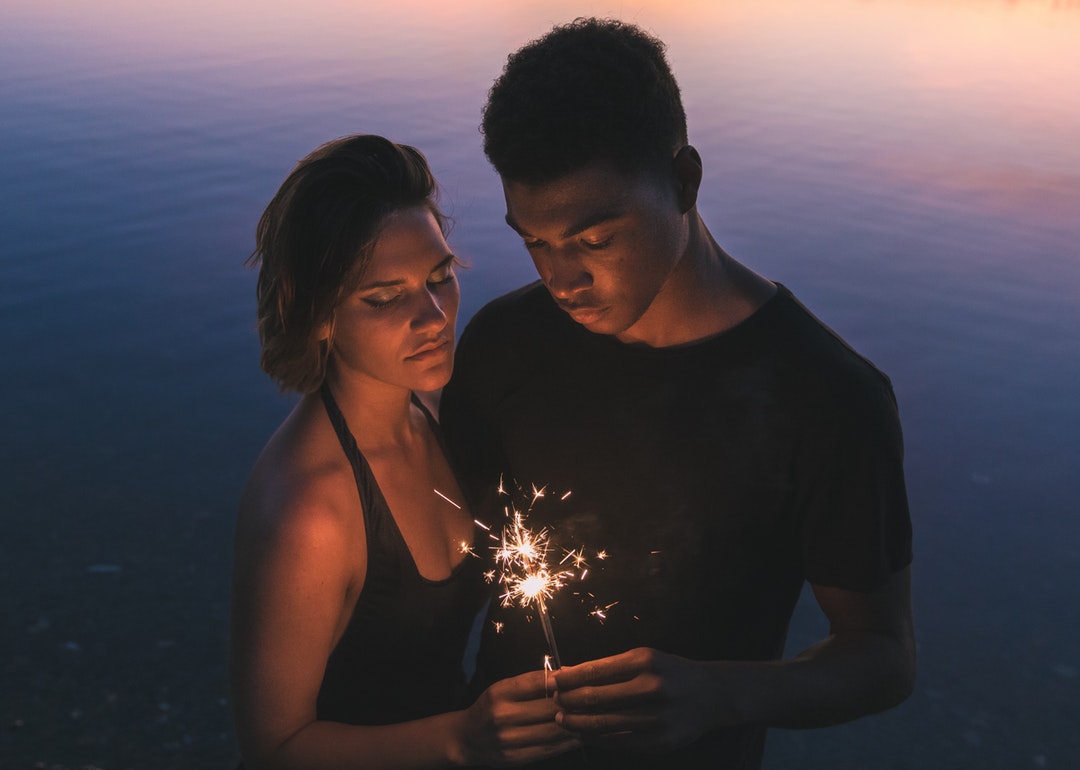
{"x": 397, "y": 327}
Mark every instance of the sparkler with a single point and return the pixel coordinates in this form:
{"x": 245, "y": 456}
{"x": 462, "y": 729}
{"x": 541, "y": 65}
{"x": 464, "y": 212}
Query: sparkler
{"x": 526, "y": 576}
{"x": 525, "y": 572}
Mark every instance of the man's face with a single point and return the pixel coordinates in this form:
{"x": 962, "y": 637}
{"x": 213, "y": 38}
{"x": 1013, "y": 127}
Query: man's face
{"x": 603, "y": 242}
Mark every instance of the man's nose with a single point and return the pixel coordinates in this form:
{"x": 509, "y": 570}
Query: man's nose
{"x": 567, "y": 276}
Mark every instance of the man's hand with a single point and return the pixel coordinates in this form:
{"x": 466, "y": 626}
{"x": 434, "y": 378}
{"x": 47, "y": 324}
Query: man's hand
{"x": 641, "y": 699}
{"x": 649, "y": 700}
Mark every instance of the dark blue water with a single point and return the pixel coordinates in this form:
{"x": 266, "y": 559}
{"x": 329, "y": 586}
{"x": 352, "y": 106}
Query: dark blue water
{"x": 910, "y": 169}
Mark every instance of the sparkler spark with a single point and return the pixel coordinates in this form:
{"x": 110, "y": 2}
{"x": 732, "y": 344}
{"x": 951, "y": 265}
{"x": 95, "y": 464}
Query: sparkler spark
{"x": 601, "y": 612}
{"x": 523, "y": 556}
{"x": 527, "y": 578}
{"x": 577, "y": 556}
{"x": 537, "y": 493}
{"x": 526, "y": 574}
{"x": 447, "y": 499}
{"x": 464, "y": 547}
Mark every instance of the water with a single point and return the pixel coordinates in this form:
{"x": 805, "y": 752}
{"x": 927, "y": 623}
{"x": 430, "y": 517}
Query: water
{"x": 909, "y": 169}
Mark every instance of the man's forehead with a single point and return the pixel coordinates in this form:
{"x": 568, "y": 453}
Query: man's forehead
{"x": 576, "y": 201}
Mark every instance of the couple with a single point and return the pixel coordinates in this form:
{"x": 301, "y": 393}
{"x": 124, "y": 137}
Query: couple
{"x": 721, "y": 444}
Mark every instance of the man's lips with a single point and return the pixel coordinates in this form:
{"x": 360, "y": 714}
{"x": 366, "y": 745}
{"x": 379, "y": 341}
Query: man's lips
{"x": 584, "y": 314}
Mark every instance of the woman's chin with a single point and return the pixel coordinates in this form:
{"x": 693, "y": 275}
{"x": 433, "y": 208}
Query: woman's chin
{"x": 435, "y": 378}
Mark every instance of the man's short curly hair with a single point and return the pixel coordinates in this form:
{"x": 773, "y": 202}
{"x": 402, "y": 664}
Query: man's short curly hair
{"x": 591, "y": 90}
{"x": 315, "y": 240}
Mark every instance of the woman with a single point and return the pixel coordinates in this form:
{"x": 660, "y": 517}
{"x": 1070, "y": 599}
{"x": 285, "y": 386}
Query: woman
{"x": 353, "y": 592}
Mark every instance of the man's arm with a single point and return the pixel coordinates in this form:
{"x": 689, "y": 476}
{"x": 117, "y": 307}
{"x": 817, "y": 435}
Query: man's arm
{"x": 866, "y": 664}
{"x": 648, "y": 699}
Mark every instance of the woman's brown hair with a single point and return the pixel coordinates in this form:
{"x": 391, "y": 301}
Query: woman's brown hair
{"x": 314, "y": 242}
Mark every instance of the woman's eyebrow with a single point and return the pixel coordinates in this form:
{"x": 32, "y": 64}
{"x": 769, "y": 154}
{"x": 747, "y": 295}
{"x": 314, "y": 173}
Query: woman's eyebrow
{"x": 399, "y": 281}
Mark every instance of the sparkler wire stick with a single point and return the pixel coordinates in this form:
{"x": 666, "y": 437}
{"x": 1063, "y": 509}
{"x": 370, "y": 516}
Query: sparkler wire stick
{"x": 526, "y": 575}
{"x": 549, "y": 633}
{"x": 523, "y": 556}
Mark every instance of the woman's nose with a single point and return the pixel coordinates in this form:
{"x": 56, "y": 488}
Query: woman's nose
{"x": 430, "y": 314}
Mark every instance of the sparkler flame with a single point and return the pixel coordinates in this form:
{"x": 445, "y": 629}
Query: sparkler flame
{"x": 522, "y": 555}
{"x": 526, "y": 576}
{"x": 525, "y": 573}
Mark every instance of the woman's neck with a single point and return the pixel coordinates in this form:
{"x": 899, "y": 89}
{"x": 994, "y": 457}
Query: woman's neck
{"x": 380, "y": 416}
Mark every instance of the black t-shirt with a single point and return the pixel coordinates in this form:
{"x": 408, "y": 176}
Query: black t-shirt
{"x": 716, "y": 476}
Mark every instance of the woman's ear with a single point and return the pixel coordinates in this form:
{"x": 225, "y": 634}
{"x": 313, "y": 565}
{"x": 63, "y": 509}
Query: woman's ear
{"x": 688, "y": 176}
{"x": 325, "y": 331}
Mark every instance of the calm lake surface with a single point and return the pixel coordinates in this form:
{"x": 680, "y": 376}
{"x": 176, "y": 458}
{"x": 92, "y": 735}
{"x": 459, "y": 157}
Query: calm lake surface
{"x": 910, "y": 169}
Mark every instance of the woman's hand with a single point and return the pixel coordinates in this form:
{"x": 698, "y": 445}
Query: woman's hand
{"x": 513, "y": 722}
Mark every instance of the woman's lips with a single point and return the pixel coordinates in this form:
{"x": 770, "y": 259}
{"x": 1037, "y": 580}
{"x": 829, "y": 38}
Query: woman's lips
{"x": 430, "y": 350}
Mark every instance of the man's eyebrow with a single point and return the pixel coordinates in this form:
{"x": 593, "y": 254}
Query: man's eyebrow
{"x": 514, "y": 225}
{"x": 399, "y": 281}
{"x": 594, "y": 219}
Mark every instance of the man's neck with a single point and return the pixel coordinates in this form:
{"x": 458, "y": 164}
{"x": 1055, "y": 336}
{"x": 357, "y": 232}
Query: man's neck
{"x": 707, "y": 293}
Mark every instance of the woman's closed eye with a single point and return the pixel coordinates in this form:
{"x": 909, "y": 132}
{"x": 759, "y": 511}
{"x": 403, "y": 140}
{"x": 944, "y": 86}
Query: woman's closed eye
{"x": 382, "y": 299}
{"x": 386, "y": 296}
{"x": 443, "y": 274}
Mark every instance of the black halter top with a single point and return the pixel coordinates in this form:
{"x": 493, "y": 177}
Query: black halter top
{"x": 401, "y": 656}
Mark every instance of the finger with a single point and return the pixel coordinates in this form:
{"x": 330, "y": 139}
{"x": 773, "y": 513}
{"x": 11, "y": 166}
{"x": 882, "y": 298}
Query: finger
{"x": 525, "y": 712}
{"x": 520, "y": 756}
{"x": 534, "y": 735}
{"x": 608, "y": 723}
{"x": 641, "y": 691}
{"x": 523, "y": 687}
{"x": 617, "y": 668}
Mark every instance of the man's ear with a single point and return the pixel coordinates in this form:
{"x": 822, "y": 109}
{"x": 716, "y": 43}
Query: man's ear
{"x": 687, "y": 176}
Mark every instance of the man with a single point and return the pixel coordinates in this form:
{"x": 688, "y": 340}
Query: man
{"x": 719, "y": 444}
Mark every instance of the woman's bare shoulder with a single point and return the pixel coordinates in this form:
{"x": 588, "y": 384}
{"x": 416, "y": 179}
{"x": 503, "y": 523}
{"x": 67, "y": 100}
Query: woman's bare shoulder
{"x": 301, "y": 488}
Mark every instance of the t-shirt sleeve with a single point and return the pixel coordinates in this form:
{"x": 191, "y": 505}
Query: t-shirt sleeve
{"x": 855, "y": 523}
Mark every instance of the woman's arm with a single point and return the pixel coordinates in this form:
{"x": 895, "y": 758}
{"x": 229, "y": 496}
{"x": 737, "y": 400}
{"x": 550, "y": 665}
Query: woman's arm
{"x": 291, "y": 582}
